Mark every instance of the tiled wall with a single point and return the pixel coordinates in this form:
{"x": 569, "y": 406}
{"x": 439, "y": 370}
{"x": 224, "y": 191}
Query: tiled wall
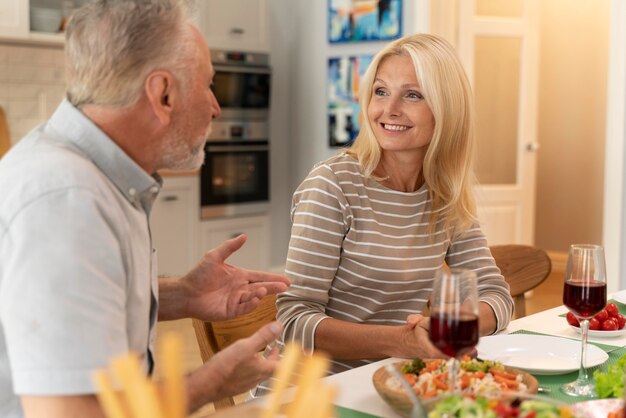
{"x": 32, "y": 84}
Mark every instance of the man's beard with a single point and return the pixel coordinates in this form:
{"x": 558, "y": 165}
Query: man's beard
{"x": 180, "y": 153}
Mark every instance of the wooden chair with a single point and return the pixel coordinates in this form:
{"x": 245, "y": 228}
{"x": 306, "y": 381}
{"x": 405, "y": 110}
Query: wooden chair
{"x": 524, "y": 268}
{"x": 214, "y": 336}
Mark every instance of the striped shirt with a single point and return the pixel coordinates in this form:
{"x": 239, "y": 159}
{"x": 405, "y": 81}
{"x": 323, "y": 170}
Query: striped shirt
{"x": 363, "y": 253}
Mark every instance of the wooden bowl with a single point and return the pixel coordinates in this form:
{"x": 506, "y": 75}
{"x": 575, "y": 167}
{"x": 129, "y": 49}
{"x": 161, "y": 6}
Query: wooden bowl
{"x": 399, "y": 400}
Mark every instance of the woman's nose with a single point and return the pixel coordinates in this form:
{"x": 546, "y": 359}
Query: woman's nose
{"x": 392, "y": 106}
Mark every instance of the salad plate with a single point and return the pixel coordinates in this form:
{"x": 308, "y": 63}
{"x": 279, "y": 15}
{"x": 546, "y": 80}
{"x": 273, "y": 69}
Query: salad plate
{"x": 597, "y": 408}
{"x": 393, "y": 393}
{"x": 602, "y": 334}
{"x": 538, "y": 354}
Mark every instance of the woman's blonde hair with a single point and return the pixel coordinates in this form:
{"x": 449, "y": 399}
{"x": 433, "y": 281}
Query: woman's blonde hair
{"x": 448, "y": 163}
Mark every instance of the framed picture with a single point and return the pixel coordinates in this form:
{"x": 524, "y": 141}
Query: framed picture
{"x": 344, "y": 78}
{"x": 364, "y": 20}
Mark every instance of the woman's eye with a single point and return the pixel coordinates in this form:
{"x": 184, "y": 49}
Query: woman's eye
{"x": 415, "y": 95}
{"x": 379, "y": 92}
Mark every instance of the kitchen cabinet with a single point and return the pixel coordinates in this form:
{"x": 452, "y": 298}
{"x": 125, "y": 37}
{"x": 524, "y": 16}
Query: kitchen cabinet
{"x": 238, "y": 25}
{"x": 255, "y": 252}
{"x": 34, "y": 21}
{"x": 174, "y": 222}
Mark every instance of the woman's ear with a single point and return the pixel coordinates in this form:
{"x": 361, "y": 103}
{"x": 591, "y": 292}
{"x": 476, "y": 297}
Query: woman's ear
{"x": 158, "y": 89}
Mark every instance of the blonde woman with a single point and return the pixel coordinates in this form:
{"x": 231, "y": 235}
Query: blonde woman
{"x": 372, "y": 224}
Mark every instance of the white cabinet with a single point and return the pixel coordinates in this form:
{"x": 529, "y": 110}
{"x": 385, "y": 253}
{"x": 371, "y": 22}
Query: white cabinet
{"x": 36, "y": 21}
{"x": 239, "y": 25}
{"x": 174, "y": 223}
{"x": 255, "y": 252}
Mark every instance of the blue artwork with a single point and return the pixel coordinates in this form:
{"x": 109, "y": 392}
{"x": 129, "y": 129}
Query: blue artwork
{"x": 344, "y": 78}
{"x": 364, "y": 20}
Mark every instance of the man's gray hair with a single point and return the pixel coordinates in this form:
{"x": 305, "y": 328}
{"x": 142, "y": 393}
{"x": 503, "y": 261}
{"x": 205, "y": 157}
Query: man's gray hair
{"x": 112, "y": 46}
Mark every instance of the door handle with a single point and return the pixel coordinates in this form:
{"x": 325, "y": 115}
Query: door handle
{"x": 170, "y": 198}
{"x": 532, "y": 146}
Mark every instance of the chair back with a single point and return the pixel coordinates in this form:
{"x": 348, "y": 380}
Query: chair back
{"x": 215, "y": 336}
{"x": 524, "y": 267}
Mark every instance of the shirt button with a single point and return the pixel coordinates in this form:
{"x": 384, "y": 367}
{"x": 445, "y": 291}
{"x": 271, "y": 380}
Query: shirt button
{"x": 154, "y": 190}
{"x": 132, "y": 191}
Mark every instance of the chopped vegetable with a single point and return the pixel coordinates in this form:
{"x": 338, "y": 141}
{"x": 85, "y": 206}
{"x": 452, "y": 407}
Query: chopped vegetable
{"x": 611, "y": 383}
{"x": 414, "y": 367}
{"x": 459, "y": 406}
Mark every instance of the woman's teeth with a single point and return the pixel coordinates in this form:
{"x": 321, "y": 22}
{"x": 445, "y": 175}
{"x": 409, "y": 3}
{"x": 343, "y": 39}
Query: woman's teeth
{"x": 395, "y": 127}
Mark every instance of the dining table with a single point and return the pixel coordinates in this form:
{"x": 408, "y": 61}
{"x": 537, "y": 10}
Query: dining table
{"x": 357, "y": 396}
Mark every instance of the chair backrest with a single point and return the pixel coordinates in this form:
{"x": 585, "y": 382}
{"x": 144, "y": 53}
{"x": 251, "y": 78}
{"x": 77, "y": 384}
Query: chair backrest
{"x": 524, "y": 267}
{"x": 214, "y": 336}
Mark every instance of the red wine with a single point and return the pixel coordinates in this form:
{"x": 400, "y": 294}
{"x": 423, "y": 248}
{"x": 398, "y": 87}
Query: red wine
{"x": 584, "y": 298}
{"x": 454, "y": 336}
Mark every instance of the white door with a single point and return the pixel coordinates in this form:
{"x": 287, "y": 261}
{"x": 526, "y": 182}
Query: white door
{"x": 498, "y": 45}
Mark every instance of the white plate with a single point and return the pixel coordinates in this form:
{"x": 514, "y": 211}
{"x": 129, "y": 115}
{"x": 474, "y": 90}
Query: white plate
{"x": 620, "y": 296}
{"x": 602, "y": 334}
{"x": 538, "y": 354}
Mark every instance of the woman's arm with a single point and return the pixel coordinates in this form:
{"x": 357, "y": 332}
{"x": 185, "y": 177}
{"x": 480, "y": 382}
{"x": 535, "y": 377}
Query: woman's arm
{"x": 471, "y": 251}
{"x": 350, "y": 341}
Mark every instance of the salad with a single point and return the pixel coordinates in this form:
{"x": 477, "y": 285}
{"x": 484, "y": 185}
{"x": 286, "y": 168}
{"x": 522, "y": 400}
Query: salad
{"x": 430, "y": 379}
{"x": 468, "y": 407}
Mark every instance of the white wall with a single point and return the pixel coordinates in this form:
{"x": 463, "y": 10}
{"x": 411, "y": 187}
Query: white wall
{"x": 299, "y": 120}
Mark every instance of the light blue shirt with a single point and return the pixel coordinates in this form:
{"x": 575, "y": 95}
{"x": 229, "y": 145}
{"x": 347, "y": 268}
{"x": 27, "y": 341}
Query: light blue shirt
{"x": 78, "y": 281}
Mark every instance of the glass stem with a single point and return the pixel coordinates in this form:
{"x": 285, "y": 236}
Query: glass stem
{"x": 583, "y": 376}
{"x": 452, "y": 375}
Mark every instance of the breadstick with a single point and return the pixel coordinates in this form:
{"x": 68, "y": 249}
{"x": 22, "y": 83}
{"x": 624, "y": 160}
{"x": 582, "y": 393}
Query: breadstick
{"x": 281, "y": 379}
{"x": 174, "y": 400}
{"x": 140, "y": 393}
{"x": 107, "y": 397}
{"x": 315, "y": 368}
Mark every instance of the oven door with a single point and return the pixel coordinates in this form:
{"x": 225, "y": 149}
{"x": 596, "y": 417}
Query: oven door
{"x": 234, "y": 179}
{"x": 242, "y": 92}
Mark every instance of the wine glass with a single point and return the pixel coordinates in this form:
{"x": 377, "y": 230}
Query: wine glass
{"x": 584, "y": 294}
{"x": 454, "y": 315}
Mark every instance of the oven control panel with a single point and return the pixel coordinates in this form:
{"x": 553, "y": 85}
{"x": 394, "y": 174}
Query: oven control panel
{"x": 239, "y": 131}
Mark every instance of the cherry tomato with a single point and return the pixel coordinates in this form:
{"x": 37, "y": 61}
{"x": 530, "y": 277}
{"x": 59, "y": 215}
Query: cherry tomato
{"x": 572, "y": 320}
{"x": 602, "y": 315}
{"x": 612, "y": 309}
{"x": 609, "y": 325}
{"x": 594, "y": 324}
{"x": 620, "y": 321}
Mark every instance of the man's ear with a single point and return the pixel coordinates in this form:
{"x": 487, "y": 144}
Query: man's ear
{"x": 158, "y": 86}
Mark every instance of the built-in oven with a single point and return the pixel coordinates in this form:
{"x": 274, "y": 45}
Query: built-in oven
{"x": 241, "y": 84}
{"x": 234, "y": 179}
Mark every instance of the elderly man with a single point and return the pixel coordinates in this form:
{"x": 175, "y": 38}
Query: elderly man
{"x": 78, "y": 278}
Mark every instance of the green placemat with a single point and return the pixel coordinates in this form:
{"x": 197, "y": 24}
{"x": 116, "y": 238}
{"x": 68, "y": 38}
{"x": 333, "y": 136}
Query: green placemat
{"x": 351, "y": 413}
{"x": 554, "y": 382}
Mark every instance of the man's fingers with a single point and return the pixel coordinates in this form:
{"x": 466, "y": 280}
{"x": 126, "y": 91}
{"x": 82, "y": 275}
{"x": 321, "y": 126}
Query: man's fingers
{"x": 266, "y": 335}
{"x": 226, "y": 248}
{"x": 265, "y": 277}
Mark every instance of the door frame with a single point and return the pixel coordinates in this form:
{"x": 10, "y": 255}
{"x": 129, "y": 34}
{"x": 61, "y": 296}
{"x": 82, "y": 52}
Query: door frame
{"x": 614, "y": 222}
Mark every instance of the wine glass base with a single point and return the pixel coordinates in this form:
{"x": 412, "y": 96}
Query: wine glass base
{"x": 581, "y": 389}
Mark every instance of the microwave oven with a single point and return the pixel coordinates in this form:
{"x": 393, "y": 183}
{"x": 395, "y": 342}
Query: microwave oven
{"x": 241, "y": 84}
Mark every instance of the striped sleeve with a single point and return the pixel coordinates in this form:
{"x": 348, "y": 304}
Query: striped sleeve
{"x": 471, "y": 251}
{"x": 320, "y": 217}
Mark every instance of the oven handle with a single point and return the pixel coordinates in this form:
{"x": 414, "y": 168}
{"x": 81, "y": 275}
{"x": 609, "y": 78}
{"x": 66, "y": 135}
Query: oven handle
{"x": 234, "y": 69}
{"x": 236, "y": 148}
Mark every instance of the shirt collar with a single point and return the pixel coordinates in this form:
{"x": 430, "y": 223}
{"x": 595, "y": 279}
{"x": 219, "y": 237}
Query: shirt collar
{"x": 75, "y": 128}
